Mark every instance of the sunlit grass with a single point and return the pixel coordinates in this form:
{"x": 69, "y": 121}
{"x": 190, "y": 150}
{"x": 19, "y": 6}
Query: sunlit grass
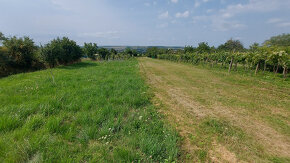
{"x": 93, "y": 112}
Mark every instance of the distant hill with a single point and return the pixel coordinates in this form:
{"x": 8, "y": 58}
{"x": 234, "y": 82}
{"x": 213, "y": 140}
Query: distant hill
{"x": 140, "y": 49}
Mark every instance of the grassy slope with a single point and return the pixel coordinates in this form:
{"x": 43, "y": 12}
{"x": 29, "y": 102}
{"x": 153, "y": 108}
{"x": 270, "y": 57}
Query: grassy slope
{"x": 224, "y": 117}
{"x": 95, "y": 112}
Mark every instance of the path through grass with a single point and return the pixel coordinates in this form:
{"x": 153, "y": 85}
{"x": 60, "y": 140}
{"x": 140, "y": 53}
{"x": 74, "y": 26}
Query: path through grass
{"x": 222, "y": 117}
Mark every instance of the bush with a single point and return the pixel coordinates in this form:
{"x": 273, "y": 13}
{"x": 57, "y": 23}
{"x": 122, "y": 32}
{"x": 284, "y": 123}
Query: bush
{"x": 61, "y": 51}
{"x": 18, "y": 55}
{"x": 104, "y": 53}
{"x": 20, "y": 51}
{"x": 90, "y": 50}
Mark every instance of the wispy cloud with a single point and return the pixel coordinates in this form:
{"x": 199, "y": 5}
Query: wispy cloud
{"x": 284, "y": 24}
{"x": 224, "y": 19}
{"x": 197, "y": 3}
{"x": 163, "y": 15}
{"x": 174, "y": 1}
{"x": 274, "y": 20}
{"x": 185, "y": 14}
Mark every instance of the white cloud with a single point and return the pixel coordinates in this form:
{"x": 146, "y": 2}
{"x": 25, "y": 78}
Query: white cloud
{"x": 224, "y": 19}
{"x": 274, "y": 20}
{"x": 174, "y": 1}
{"x": 255, "y": 6}
{"x": 196, "y": 4}
{"x": 284, "y": 24}
{"x": 182, "y": 15}
{"x": 225, "y": 25}
{"x": 148, "y": 4}
{"x": 163, "y": 15}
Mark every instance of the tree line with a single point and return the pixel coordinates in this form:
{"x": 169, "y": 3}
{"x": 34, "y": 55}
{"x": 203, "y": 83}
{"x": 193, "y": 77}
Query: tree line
{"x": 273, "y": 55}
{"x": 20, "y": 54}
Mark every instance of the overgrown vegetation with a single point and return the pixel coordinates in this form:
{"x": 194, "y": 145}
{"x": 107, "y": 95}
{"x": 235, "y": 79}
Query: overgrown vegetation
{"x": 97, "y": 112}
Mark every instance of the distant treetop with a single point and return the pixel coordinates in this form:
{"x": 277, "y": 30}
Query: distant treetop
{"x": 280, "y": 40}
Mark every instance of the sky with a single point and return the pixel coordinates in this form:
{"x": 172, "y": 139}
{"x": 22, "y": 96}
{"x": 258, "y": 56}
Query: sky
{"x": 146, "y": 22}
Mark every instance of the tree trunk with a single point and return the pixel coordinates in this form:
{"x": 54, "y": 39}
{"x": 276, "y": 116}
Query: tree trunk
{"x": 265, "y": 66}
{"x": 236, "y": 66}
{"x": 285, "y": 72}
{"x": 257, "y": 68}
{"x": 231, "y": 65}
{"x": 274, "y": 68}
{"x": 277, "y": 69}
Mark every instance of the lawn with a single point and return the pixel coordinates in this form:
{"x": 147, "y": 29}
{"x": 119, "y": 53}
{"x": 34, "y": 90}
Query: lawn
{"x": 95, "y": 111}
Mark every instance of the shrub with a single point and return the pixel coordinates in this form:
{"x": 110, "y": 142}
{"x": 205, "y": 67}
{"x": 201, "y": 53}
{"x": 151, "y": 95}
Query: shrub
{"x": 104, "y": 53}
{"x": 61, "y": 51}
{"x": 18, "y": 55}
{"x": 90, "y": 50}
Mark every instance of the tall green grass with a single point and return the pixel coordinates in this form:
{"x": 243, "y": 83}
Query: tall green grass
{"x": 95, "y": 111}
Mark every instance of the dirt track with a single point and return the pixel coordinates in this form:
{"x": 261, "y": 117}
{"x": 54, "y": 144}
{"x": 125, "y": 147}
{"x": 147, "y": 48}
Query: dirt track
{"x": 192, "y": 94}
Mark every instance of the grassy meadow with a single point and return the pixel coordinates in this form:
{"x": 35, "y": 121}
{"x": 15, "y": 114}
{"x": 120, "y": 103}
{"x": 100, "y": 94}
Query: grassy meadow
{"x": 95, "y": 111}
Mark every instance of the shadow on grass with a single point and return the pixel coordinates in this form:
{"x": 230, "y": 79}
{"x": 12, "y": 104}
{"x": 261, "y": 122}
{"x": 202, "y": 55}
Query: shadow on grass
{"x": 79, "y": 65}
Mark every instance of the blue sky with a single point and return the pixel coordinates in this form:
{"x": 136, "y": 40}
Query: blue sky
{"x": 146, "y": 22}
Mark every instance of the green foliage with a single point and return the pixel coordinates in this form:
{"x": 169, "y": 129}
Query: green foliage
{"x": 99, "y": 112}
{"x": 20, "y": 51}
{"x": 2, "y": 37}
{"x": 233, "y": 45}
{"x": 104, "y": 53}
{"x": 189, "y": 49}
{"x": 269, "y": 57}
{"x": 130, "y": 52}
{"x": 280, "y": 40}
{"x": 61, "y": 51}
{"x": 152, "y": 52}
{"x": 18, "y": 55}
{"x": 203, "y": 47}
{"x": 90, "y": 50}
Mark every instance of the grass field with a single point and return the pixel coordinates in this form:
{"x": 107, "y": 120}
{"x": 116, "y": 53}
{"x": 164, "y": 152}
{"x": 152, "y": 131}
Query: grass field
{"x": 223, "y": 117}
{"x": 95, "y": 111}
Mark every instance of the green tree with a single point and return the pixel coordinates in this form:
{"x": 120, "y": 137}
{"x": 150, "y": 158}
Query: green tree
{"x": 61, "y": 51}
{"x": 233, "y": 45}
{"x": 90, "y": 50}
{"x": 203, "y": 47}
{"x": 104, "y": 53}
{"x": 21, "y": 51}
{"x": 254, "y": 47}
{"x": 2, "y": 37}
{"x": 189, "y": 49}
{"x": 280, "y": 40}
{"x": 152, "y": 52}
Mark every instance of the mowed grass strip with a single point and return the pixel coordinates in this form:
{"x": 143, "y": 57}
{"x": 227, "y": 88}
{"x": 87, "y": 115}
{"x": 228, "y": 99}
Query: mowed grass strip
{"x": 95, "y": 111}
{"x": 223, "y": 117}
